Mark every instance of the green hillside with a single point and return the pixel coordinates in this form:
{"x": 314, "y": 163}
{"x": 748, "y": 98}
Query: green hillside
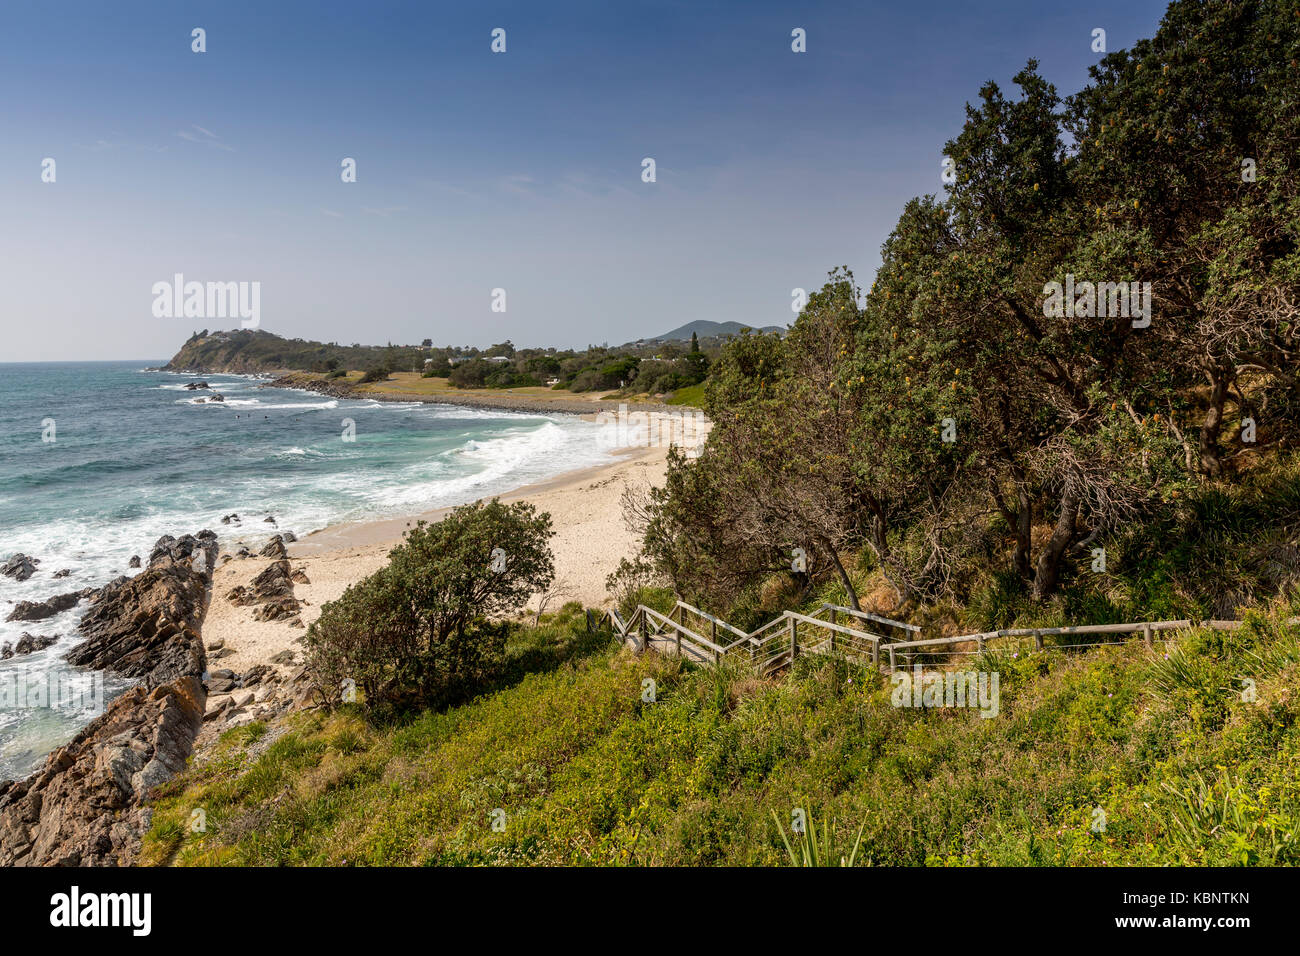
{"x": 1183, "y": 769}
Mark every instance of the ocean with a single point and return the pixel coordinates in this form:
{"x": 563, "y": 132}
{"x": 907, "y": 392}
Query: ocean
{"x": 100, "y": 459}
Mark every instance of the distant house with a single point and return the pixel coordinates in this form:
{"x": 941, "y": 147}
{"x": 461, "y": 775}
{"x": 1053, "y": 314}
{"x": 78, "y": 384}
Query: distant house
{"x": 497, "y": 358}
{"x": 552, "y": 381}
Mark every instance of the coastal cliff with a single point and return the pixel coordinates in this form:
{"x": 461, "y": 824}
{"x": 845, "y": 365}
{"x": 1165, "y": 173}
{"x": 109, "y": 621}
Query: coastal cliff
{"x": 86, "y": 806}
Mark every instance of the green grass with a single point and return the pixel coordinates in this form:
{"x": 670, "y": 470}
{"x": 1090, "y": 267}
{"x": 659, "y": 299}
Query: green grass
{"x": 692, "y": 395}
{"x": 587, "y": 772}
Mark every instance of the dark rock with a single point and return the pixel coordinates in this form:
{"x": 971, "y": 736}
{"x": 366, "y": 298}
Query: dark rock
{"x": 274, "y": 548}
{"x": 19, "y": 567}
{"x": 223, "y": 673}
{"x": 284, "y": 657}
{"x": 269, "y": 519}
{"x": 280, "y": 609}
{"x": 274, "y": 582}
{"x": 227, "y": 519}
{"x": 40, "y": 610}
{"x": 63, "y": 573}
{"x": 86, "y": 806}
{"x": 220, "y": 686}
{"x": 148, "y": 626}
{"x": 217, "y": 397}
{"x": 290, "y": 537}
{"x": 134, "y": 562}
{"x": 300, "y": 577}
{"x": 196, "y": 385}
{"x": 27, "y": 644}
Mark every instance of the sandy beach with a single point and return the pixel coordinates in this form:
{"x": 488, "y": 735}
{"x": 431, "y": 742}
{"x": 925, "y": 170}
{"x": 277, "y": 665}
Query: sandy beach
{"x": 590, "y": 539}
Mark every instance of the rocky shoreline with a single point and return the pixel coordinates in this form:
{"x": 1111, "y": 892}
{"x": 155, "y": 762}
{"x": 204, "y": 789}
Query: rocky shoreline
{"x": 87, "y": 805}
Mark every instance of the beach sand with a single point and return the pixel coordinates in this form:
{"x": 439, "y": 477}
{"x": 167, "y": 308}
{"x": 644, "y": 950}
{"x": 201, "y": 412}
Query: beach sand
{"x": 590, "y": 539}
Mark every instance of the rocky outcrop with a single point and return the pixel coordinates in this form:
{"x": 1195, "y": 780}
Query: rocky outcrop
{"x": 148, "y": 626}
{"x": 271, "y": 591}
{"x": 40, "y": 610}
{"x": 86, "y": 806}
{"x": 19, "y": 567}
{"x": 27, "y": 644}
{"x": 274, "y": 548}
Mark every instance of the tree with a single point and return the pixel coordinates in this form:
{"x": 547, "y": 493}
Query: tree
{"x": 418, "y": 631}
{"x": 1189, "y": 143}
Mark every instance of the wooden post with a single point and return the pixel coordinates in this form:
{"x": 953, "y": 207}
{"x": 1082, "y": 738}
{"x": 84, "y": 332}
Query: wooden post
{"x": 679, "y": 642}
{"x": 1146, "y": 634}
{"x": 893, "y": 665}
{"x": 1038, "y": 639}
{"x": 794, "y": 640}
{"x": 875, "y": 654}
{"x": 715, "y": 632}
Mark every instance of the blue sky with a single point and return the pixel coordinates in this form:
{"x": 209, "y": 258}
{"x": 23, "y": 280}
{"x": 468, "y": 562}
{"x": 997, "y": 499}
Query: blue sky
{"x": 477, "y": 170}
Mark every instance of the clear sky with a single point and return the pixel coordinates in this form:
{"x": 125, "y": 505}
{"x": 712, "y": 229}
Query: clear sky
{"x": 478, "y": 170}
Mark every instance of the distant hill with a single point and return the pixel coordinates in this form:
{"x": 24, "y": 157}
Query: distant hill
{"x": 252, "y": 352}
{"x": 708, "y": 330}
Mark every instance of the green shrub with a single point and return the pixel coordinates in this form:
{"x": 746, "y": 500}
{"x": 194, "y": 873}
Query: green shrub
{"x": 417, "y": 632}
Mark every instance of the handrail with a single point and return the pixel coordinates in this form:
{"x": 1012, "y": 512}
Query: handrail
{"x": 759, "y": 640}
{"x": 875, "y": 638}
{"x": 1044, "y": 631}
{"x": 711, "y": 619}
{"x": 669, "y": 622}
{"x": 868, "y": 616}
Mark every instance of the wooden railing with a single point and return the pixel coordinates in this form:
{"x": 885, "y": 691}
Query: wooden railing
{"x": 905, "y": 653}
{"x": 779, "y": 642}
{"x": 769, "y": 648}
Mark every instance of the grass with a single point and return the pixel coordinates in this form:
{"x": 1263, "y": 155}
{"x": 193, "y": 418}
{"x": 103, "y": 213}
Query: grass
{"x": 692, "y": 395}
{"x": 586, "y": 772}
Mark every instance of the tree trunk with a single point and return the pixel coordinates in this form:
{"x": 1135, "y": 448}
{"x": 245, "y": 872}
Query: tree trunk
{"x": 1023, "y": 531}
{"x": 1049, "y": 561}
{"x": 844, "y": 579}
{"x": 1211, "y": 463}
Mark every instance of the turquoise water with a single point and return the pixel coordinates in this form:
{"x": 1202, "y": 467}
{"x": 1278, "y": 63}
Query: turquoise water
{"x": 136, "y": 456}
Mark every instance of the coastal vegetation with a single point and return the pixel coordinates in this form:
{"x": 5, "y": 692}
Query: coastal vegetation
{"x": 417, "y": 632}
{"x": 944, "y": 447}
{"x": 584, "y": 771}
{"x": 947, "y": 434}
{"x": 651, "y": 368}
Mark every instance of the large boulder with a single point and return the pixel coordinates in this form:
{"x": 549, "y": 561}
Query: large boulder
{"x": 274, "y": 548}
{"x": 19, "y": 567}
